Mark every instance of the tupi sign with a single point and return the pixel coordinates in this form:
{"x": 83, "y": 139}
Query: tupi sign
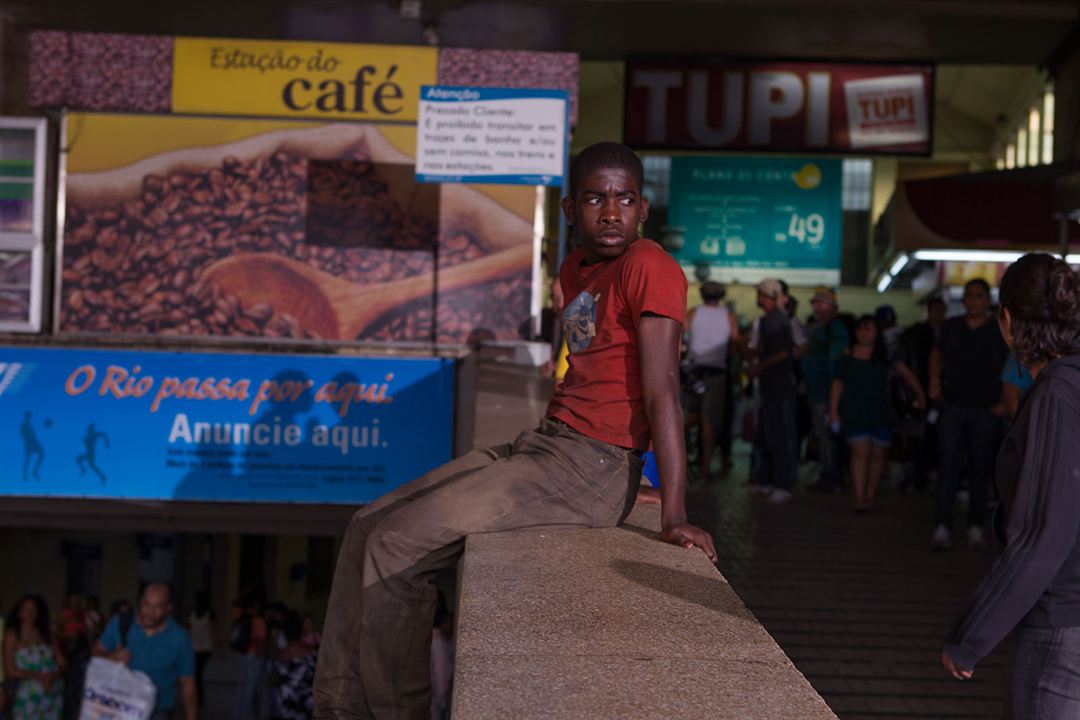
{"x": 782, "y": 107}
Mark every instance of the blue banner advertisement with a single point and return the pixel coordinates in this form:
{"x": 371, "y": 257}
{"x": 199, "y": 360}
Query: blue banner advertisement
{"x": 225, "y": 427}
{"x": 758, "y": 215}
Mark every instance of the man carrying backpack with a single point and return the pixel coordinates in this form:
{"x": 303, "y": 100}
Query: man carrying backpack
{"x": 248, "y": 639}
{"x": 156, "y": 645}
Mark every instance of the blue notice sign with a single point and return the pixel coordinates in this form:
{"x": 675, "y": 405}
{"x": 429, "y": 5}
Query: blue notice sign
{"x": 200, "y": 426}
{"x": 746, "y": 216}
{"x": 503, "y": 136}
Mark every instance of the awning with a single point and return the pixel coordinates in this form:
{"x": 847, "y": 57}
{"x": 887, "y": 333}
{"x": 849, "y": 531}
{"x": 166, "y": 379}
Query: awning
{"x": 1003, "y": 210}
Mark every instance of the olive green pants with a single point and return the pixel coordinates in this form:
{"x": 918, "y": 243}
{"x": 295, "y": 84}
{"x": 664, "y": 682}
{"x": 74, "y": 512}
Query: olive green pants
{"x": 374, "y": 657}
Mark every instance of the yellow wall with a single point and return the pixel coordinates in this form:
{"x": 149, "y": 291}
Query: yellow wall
{"x": 291, "y": 549}
{"x": 36, "y": 566}
{"x": 33, "y": 561}
{"x": 600, "y": 87}
{"x": 119, "y": 570}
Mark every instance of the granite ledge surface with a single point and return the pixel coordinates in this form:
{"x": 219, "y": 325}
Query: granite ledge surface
{"x": 612, "y": 623}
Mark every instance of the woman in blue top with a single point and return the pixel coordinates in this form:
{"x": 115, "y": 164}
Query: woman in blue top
{"x": 859, "y": 406}
{"x": 1015, "y": 381}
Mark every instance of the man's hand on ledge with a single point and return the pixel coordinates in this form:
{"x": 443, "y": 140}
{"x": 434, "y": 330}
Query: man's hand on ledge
{"x": 688, "y": 536}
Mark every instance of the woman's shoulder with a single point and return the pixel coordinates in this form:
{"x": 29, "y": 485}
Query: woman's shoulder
{"x": 1057, "y": 391}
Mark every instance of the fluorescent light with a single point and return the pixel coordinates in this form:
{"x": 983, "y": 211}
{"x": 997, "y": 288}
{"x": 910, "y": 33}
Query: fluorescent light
{"x": 1072, "y": 259}
{"x": 899, "y": 264}
{"x": 884, "y": 283}
{"x": 999, "y": 256}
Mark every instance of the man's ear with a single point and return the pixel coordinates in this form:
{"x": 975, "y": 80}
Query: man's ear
{"x": 568, "y": 210}
{"x": 643, "y": 213}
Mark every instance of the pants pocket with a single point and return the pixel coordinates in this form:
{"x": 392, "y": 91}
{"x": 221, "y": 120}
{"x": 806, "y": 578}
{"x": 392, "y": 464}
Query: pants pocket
{"x": 616, "y": 498}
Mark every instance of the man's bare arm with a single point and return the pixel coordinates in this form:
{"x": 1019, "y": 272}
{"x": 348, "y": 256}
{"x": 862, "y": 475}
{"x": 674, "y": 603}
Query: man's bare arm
{"x": 934, "y": 380}
{"x": 191, "y": 697}
{"x": 658, "y": 342}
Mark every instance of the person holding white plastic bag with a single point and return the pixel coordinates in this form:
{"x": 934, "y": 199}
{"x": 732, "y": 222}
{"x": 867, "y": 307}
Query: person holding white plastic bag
{"x": 158, "y": 646}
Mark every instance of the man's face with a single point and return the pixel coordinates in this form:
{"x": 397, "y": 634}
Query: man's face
{"x": 822, "y": 308}
{"x": 606, "y": 211}
{"x": 766, "y": 302}
{"x": 154, "y": 606}
{"x": 976, "y": 300}
{"x": 28, "y": 612}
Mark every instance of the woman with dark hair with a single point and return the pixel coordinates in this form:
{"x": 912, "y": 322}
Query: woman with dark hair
{"x": 1034, "y": 586}
{"x": 859, "y": 406}
{"x": 33, "y": 658}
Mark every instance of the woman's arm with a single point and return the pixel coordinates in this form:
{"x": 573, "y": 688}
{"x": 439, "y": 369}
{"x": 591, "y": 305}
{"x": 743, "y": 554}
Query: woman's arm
{"x": 836, "y": 391}
{"x": 11, "y": 669}
{"x": 912, "y": 382}
{"x": 58, "y": 653}
{"x": 1042, "y": 529}
{"x": 1010, "y": 399}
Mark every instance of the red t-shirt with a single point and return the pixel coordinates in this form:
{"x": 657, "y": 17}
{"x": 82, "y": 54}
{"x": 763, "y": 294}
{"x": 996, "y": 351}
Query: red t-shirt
{"x": 601, "y": 395}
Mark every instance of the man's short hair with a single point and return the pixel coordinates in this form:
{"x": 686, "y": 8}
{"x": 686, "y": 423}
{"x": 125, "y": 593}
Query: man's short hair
{"x": 977, "y": 282}
{"x": 934, "y": 301}
{"x": 604, "y": 155}
{"x": 158, "y": 585}
{"x": 712, "y": 290}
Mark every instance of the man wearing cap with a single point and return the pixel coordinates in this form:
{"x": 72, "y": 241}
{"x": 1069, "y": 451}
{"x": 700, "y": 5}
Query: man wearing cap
{"x": 828, "y": 340}
{"x": 710, "y": 333}
{"x": 775, "y": 434}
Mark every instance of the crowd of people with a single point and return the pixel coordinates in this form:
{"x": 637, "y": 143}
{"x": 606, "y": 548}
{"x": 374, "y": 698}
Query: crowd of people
{"x": 45, "y": 656}
{"x": 852, "y": 393}
{"x": 959, "y": 392}
{"x": 277, "y": 650}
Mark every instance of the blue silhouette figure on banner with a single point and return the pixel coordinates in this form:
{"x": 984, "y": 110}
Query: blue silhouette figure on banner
{"x": 88, "y": 458}
{"x": 32, "y": 448}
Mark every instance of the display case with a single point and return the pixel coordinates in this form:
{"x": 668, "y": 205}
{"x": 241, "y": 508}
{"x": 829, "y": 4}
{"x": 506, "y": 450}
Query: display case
{"x": 22, "y": 215}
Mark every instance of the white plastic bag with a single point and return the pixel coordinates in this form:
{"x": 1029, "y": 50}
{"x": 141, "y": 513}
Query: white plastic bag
{"x": 113, "y": 692}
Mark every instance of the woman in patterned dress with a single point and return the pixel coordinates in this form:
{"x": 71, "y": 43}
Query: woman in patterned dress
{"x": 294, "y": 673}
{"x": 33, "y": 658}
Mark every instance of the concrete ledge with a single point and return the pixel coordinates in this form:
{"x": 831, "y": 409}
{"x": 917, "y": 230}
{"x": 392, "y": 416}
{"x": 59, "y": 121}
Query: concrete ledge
{"x": 612, "y": 624}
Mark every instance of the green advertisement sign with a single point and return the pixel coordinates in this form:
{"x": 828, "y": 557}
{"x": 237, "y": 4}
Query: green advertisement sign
{"x": 747, "y": 217}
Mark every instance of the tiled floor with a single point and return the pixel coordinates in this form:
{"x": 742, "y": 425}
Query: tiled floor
{"x": 859, "y": 602}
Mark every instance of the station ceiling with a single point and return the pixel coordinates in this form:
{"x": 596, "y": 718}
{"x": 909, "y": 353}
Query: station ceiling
{"x": 949, "y": 31}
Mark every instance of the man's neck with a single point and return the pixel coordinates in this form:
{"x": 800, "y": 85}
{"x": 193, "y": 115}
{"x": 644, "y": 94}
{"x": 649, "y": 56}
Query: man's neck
{"x": 974, "y": 321}
{"x": 152, "y": 630}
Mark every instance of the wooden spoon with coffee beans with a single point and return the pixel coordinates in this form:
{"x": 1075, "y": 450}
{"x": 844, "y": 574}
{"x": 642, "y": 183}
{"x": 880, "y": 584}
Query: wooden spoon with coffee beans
{"x": 336, "y": 308}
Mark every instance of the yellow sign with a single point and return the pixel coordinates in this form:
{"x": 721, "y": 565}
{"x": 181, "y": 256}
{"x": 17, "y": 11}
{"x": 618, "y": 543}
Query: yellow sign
{"x": 332, "y": 81}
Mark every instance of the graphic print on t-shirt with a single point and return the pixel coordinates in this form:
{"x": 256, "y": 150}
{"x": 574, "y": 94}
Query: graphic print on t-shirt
{"x": 579, "y": 321}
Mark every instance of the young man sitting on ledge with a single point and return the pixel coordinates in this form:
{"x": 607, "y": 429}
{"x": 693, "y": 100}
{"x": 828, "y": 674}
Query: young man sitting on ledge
{"x": 625, "y": 306}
